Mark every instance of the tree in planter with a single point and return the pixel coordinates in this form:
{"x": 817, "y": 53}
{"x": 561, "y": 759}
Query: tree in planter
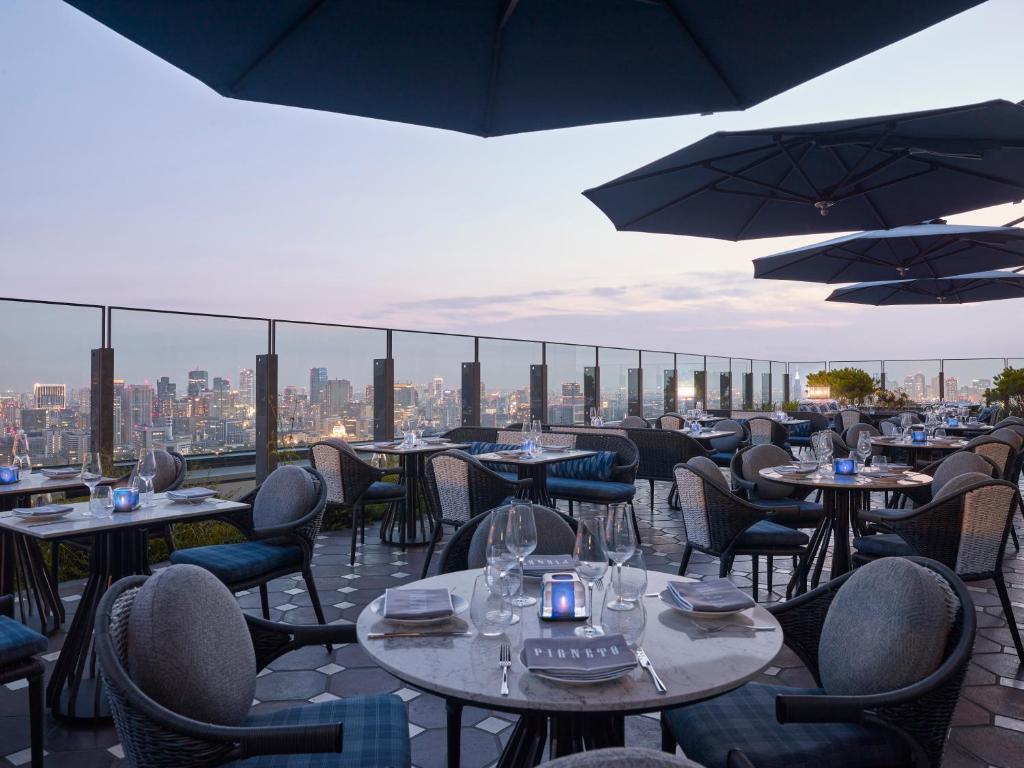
{"x": 849, "y": 385}
{"x": 1008, "y": 389}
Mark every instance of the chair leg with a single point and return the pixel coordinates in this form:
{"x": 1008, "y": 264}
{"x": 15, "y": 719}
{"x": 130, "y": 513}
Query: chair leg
{"x": 768, "y": 574}
{"x": 55, "y": 564}
{"x": 265, "y": 601}
{"x": 687, "y": 551}
{"x": 314, "y": 598}
{"x": 168, "y": 537}
{"x": 754, "y": 562}
{"x": 1013, "y": 535}
{"x": 36, "y": 716}
{"x": 430, "y": 550}
{"x": 1011, "y": 620}
{"x": 668, "y": 740}
{"x": 652, "y": 494}
{"x": 570, "y": 508}
{"x": 453, "y": 724}
{"x": 636, "y": 525}
{"x": 356, "y": 514}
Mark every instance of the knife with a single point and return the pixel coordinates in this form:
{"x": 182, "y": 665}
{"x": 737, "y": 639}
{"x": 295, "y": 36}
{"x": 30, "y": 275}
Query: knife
{"x": 645, "y": 662}
{"x": 388, "y": 635}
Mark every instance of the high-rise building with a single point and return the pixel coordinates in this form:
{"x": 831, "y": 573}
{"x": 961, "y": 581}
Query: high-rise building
{"x": 405, "y": 395}
{"x": 317, "y": 385}
{"x": 247, "y": 386}
{"x": 338, "y": 395}
{"x": 198, "y": 381}
{"x": 166, "y": 393}
{"x": 50, "y": 397}
{"x": 221, "y": 397}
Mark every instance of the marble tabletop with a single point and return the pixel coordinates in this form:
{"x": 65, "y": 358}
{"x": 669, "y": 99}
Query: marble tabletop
{"x": 394, "y": 448}
{"x": 706, "y": 434}
{"x": 544, "y": 457}
{"x": 931, "y": 444}
{"x": 78, "y": 523}
{"x": 693, "y": 663}
{"x": 867, "y": 479}
{"x": 37, "y": 482}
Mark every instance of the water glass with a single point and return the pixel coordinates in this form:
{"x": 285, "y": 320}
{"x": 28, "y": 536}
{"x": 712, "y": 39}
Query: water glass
{"x": 101, "y": 502}
{"x": 92, "y": 473}
{"x": 629, "y": 623}
{"x": 490, "y": 613}
{"x": 521, "y": 540}
{"x": 632, "y": 584}
{"x": 147, "y": 471}
{"x": 620, "y": 543}
{"x": 591, "y": 564}
{"x": 939, "y": 432}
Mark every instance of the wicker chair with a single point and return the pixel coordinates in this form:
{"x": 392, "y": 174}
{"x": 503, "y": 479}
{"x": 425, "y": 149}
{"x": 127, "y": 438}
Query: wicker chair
{"x": 282, "y": 527}
{"x": 775, "y": 725}
{"x": 847, "y": 417}
{"x": 998, "y": 451}
{"x": 725, "y": 447}
{"x": 790, "y": 503}
{"x": 671, "y": 420}
{"x": 353, "y": 483}
{"x": 721, "y": 524}
{"x": 18, "y": 648}
{"x": 1009, "y": 421}
{"x": 634, "y": 422}
{"x": 946, "y": 469}
{"x": 993, "y": 416}
{"x": 459, "y": 488}
{"x": 800, "y": 436}
{"x": 764, "y": 430}
{"x": 660, "y": 450}
{"x": 154, "y": 735}
{"x": 853, "y": 433}
{"x": 964, "y": 528}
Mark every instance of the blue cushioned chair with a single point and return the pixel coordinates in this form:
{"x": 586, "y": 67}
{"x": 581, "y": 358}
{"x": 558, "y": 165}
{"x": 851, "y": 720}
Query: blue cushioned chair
{"x": 721, "y": 524}
{"x": 287, "y": 509}
{"x": 160, "y": 732}
{"x": 724, "y": 448}
{"x": 886, "y": 691}
{"x": 18, "y": 648}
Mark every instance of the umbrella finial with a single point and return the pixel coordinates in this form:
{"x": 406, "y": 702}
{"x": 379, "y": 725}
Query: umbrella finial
{"x": 823, "y": 206}
{"x": 902, "y": 271}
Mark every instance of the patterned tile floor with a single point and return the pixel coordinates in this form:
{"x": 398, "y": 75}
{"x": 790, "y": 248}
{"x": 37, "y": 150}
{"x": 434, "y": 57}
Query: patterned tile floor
{"x": 988, "y": 729}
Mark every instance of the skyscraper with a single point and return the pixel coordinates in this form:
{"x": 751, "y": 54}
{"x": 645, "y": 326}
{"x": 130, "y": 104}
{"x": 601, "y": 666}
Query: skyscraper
{"x": 50, "y": 397}
{"x": 338, "y": 395}
{"x": 247, "y": 386}
{"x": 198, "y": 381}
{"x": 166, "y": 392}
{"x": 221, "y": 397}
{"x": 317, "y": 385}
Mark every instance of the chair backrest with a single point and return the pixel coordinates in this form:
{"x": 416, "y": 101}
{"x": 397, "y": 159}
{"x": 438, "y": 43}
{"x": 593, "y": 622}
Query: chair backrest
{"x": 671, "y": 420}
{"x": 818, "y": 421}
{"x": 627, "y": 455}
{"x": 288, "y": 495}
{"x": 461, "y": 487}
{"x": 848, "y": 417}
{"x": 712, "y": 515}
{"x": 660, "y": 450}
{"x": 852, "y": 434}
{"x": 730, "y": 442}
{"x": 993, "y": 415}
{"x": 889, "y": 427}
{"x": 1008, "y": 435}
{"x": 840, "y": 450}
{"x": 554, "y": 536}
{"x": 999, "y": 451}
{"x": 764, "y": 430}
{"x": 960, "y": 463}
{"x": 346, "y": 475}
{"x": 634, "y": 422}
{"x": 553, "y": 438}
{"x": 622, "y": 757}
{"x": 171, "y": 471}
{"x": 752, "y": 459}
{"x": 1009, "y": 421}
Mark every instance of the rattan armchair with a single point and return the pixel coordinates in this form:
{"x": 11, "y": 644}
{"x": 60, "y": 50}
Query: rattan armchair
{"x": 671, "y": 420}
{"x": 764, "y": 430}
{"x": 659, "y": 451}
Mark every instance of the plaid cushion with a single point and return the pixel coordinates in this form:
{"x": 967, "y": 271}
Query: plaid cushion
{"x": 476, "y": 448}
{"x": 745, "y": 720}
{"x": 596, "y": 467}
{"x": 376, "y": 734}
{"x": 18, "y": 642}
{"x": 235, "y": 563}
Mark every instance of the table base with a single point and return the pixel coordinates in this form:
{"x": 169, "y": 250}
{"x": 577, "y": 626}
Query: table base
{"x": 565, "y": 735}
{"x": 23, "y": 571}
{"x": 537, "y": 491}
{"x": 409, "y": 525}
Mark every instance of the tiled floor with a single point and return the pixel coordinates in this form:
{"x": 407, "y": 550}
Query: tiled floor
{"x": 988, "y": 728}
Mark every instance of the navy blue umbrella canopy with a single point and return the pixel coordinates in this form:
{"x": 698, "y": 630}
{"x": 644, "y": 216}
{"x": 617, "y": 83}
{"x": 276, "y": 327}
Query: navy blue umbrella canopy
{"x": 870, "y": 173}
{"x": 492, "y": 67}
{"x": 961, "y": 289}
{"x": 920, "y": 250}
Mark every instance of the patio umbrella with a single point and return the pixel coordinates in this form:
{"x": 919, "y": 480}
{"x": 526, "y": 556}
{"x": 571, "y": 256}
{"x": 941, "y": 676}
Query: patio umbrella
{"x": 869, "y": 173}
{"x": 935, "y": 249}
{"x": 492, "y": 67}
{"x": 960, "y": 289}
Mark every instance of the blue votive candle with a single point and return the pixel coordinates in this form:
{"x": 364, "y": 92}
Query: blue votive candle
{"x": 952, "y": 422}
{"x": 8, "y": 475}
{"x": 563, "y": 600}
{"x": 124, "y": 499}
{"x": 844, "y": 466}
{"x": 919, "y": 436}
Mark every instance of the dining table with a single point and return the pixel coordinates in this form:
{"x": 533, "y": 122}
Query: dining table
{"x": 705, "y": 435}
{"x": 118, "y": 549}
{"x": 21, "y": 565}
{"x": 843, "y": 496}
{"x": 932, "y": 448}
{"x": 696, "y": 659}
{"x": 534, "y": 466}
{"x": 413, "y": 524}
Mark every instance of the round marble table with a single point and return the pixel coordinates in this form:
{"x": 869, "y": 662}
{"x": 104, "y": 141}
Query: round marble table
{"x": 842, "y": 497}
{"x": 935, "y": 446}
{"x": 694, "y": 665}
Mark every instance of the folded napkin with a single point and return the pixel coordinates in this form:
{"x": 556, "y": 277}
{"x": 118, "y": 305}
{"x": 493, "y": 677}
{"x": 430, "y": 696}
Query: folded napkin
{"x": 538, "y": 565}
{"x": 59, "y": 471}
{"x": 190, "y": 494}
{"x": 709, "y": 596}
{"x": 790, "y": 470}
{"x": 417, "y": 604}
{"x": 43, "y": 511}
{"x": 578, "y": 658}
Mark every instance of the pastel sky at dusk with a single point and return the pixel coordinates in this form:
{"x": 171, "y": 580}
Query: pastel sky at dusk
{"x": 124, "y": 181}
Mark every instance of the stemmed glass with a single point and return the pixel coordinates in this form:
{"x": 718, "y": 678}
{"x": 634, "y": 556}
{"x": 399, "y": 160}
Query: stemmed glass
{"x": 591, "y": 564}
{"x": 621, "y": 544}
{"x": 21, "y": 455}
{"x": 521, "y": 540}
{"x": 92, "y": 474}
{"x": 864, "y": 447}
{"x": 147, "y": 471}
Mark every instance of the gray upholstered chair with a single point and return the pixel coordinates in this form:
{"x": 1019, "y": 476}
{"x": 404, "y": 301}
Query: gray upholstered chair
{"x": 626, "y": 757}
{"x": 179, "y": 661}
{"x": 915, "y": 418}
{"x": 885, "y": 690}
{"x": 1008, "y": 435}
{"x": 634, "y": 422}
{"x": 789, "y": 502}
{"x": 964, "y": 527}
{"x": 889, "y": 427}
{"x": 1009, "y": 421}
{"x": 721, "y": 524}
{"x": 724, "y": 448}
{"x": 352, "y": 483}
{"x": 287, "y": 509}
{"x": 947, "y": 468}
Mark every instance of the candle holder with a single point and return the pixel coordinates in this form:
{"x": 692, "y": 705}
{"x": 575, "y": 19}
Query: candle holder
{"x": 952, "y": 422}
{"x": 844, "y": 467}
{"x": 125, "y": 499}
{"x": 918, "y": 436}
{"x": 562, "y": 598}
{"x": 8, "y": 475}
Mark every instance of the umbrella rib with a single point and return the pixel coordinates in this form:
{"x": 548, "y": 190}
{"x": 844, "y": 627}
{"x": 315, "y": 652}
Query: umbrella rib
{"x": 704, "y": 53}
{"x": 852, "y": 182}
{"x": 978, "y": 175}
{"x": 796, "y": 164}
{"x": 492, "y": 76}
{"x": 278, "y": 42}
{"x": 868, "y": 200}
{"x": 799, "y": 168}
{"x": 853, "y": 169}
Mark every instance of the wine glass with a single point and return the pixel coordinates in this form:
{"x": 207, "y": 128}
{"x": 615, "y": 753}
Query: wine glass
{"x": 21, "y": 455}
{"x": 864, "y": 447}
{"x": 521, "y": 540}
{"x": 620, "y": 543}
{"x": 92, "y": 474}
{"x": 489, "y": 611}
{"x": 633, "y": 580}
{"x": 591, "y": 564}
{"x": 629, "y": 623}
{"x": 147, "y": 471}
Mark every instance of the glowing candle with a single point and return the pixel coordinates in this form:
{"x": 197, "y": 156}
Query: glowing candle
{"x": 8, "y": 475}
{"x": 124, "y": 499}
{"x": 844, "y": 466}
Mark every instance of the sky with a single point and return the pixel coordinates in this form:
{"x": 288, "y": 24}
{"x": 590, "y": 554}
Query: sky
{"x": 126, "y": 182}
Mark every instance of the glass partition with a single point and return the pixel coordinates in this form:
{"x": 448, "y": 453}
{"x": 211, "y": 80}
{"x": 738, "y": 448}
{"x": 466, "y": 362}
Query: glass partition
{"x": 918, "y": 379}
{"x": 966, "y": 380}
{"x": 505, "y": 380}
{"x": 45, "y": 379}
{"x": 689, "y": 380}
{"x": 615, "y": 364}
{"x": 565, "y": 381}
{"x": 325, "y": 381}
{"x": 778, "y": 383}
{"x": 428, "y": 378}
{"x": 798, "y": 372}
{"x": 719, "y": 384}
{"x": 654, "y": 365}
{"x": 181, "y": 381}
{"x": 742, "y": 399}
{"x": 762, "y": 384}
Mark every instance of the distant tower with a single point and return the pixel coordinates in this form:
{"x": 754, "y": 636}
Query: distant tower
{"x": 247, "y": 386}
{"x": 198, "y": 381}
{"x": 317, "y": 385}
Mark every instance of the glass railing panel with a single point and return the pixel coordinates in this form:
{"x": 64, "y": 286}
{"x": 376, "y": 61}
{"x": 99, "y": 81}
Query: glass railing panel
{"x": 689, "y": 380}
{"x": 918, "y": 379}
{"x": 428, "y": 378}
{"x": 184, "y": 382}
{"x": 325, "y": 381}
{"x": 741, "y": 398}
{"x": 966, "y": 380}
{"x": 798, "y": 372}
{"x": 778, "y": 383}
{"x": 761, "y": 383}
{"x": 615, "y": 364}
{"x": 566, "y": 363}
{"x": 720, "y": 385}
{"x": 45, "y": 379}
{"x": 655, "y": 365}
{"x": 505, "y": 380}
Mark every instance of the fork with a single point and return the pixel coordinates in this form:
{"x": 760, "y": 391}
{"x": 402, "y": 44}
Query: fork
{"x": 504, "y": 661}
{"x": 711, "y": 629}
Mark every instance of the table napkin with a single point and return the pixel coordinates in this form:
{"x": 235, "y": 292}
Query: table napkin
{"x": 709, "y": 596}
{"x": 190, "y": 494}
{"x": 59, "y": 472}
{"x": 46, "y": 509}
{"x": 578, "y": 658}
{"x": 538, "y": 565}
{"x": 417, "y": 604}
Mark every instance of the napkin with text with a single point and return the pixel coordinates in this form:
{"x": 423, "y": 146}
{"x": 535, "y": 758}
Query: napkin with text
{"x": 578, "y": 658}
{"x": 715, "y": 595}
{"x": 417, "y": 604}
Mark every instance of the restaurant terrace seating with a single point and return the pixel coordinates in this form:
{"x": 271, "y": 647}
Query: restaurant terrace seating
{"x": 800, "y": 434}
{"x": 19, "y": 650}
{"x": 634, "y": 422}
{"x": 724, "y": 448}
{"x": 659, "y": 451}
{"x": 762, "y": 429}
{"x": 790, "y": 503}
{"x": 671, "y": 420}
